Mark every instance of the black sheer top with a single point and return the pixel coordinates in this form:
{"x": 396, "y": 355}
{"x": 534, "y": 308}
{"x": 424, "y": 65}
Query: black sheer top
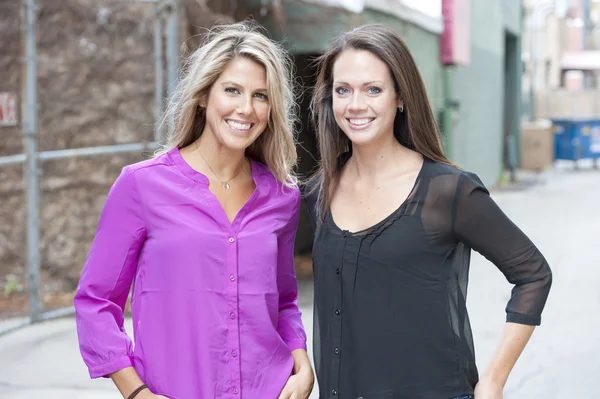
{"x": 390, "y": 317}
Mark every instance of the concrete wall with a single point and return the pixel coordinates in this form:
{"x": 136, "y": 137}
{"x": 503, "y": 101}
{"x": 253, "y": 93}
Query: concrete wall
{"x": 478, "y": 138}
{"x": 511, "y": 12}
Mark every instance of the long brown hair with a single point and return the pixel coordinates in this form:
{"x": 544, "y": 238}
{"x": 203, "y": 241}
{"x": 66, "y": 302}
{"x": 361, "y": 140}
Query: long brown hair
{"x": 276, "y": 146}
{"x": 415, "y": 128}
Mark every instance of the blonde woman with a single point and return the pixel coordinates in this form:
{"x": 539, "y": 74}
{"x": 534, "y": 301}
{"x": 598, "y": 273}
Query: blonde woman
{"x": 205, "y": 233}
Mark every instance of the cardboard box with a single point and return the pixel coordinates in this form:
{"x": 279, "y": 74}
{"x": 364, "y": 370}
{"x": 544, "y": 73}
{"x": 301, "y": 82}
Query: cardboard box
{"x": 537, "y": 145}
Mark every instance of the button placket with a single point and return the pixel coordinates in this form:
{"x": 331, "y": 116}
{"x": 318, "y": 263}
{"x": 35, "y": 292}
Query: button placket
{"x": 233, "y": 340}
{"x": 337, "y": 322}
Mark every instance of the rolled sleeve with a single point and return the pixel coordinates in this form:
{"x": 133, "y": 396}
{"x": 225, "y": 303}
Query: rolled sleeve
{"x": 106, "y": 280}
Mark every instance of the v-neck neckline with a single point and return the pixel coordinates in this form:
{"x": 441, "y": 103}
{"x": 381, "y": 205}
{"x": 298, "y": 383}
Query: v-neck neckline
{"x": 214, "y": 202}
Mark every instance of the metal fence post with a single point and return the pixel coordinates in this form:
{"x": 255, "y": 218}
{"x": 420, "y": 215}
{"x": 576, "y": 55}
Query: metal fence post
{"x": 32, "y": 156}
{"x": 158, "y": 73}
{"x": 30, "y": 130}
{"x": 172, "y": 53}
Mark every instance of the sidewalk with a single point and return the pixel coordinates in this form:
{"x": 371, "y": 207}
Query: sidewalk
{"x": 561, "y": 215}
{"x": 43, "y": 360}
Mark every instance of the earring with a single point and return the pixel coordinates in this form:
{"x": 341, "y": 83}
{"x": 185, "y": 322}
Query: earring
{"x": 402, "y": 108}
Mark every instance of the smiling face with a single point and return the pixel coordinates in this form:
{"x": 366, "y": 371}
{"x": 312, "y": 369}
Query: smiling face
{"x": 364, "y": 97}
{"x": 237, "y": 107}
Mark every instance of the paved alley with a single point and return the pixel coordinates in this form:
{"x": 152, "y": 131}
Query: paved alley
{"x": 561, "y": 215}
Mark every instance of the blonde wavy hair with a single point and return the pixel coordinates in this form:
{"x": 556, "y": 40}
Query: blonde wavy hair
{"x": 276, "y": 146}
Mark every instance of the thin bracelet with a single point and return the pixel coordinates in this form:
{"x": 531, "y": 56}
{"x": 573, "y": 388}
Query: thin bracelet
{"x": 138, "y": 390}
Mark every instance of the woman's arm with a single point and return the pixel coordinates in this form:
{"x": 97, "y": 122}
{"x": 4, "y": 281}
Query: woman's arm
{"x": 127, "y": 381}
{"x": 513, "y": 341}
{"x": 301, "y": 382}
{"x": 105, "y": 284}
{"x": 480, "y": 224}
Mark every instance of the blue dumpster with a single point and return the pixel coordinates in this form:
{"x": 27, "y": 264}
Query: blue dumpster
{"x": 577, "y": 138}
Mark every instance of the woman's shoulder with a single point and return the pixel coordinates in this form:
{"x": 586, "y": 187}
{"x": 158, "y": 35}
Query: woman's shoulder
{"x": 153, "y": 162}
{"x": 131, "y": 172}
{"x": 140, "y": 178}
{"x": 450, "y": 178}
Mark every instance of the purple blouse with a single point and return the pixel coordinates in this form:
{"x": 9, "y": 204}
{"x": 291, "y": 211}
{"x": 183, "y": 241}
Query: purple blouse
{"x": 214, "y": 303}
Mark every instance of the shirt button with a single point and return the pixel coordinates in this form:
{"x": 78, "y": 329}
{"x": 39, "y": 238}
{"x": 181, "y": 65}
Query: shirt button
{"x": 233, "y": 353}
{"x": 334, "y": 392}
{"x": 232, "y": 315}
{"x": 336, "y": 351}
{"x": 337, "y": 312}
{"x": 232, "y": 277}
{"x": 231, "y": 239}
{"x": 235, "y": 390}
{"x": 337, "y": 271}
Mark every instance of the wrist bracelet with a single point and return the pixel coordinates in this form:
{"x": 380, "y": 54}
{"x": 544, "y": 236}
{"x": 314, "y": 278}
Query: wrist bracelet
{"x": 138, "y": 390}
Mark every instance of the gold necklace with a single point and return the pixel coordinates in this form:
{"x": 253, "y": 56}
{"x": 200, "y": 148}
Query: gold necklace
{"x": 225, "y": 183}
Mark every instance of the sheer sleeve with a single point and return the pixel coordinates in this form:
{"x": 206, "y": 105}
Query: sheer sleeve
{"x": 478, "y": 222}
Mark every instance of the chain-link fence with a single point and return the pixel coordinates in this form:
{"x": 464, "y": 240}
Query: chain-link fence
{"x": 89, "y": 77}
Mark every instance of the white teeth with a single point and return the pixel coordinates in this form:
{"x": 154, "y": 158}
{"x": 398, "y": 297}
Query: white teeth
{"x": 363, "y": 121}
{"x": 239, "y": 126}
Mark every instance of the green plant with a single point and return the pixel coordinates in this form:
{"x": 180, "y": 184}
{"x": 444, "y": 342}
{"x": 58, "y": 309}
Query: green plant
{"x": 11, "y": 285}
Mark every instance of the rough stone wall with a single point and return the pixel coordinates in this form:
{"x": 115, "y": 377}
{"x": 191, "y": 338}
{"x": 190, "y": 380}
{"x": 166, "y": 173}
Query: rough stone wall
{"x": 95, "y": 87}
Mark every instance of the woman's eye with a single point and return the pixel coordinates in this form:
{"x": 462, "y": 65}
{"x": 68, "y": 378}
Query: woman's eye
{"x": 374, "y": 90}
{"x": 262, "y": 96}
{"x": 341, "y": 90}
{"x": 232, "y": 90}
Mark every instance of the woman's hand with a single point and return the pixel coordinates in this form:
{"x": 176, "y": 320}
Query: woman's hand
{"x": 488, "y": 389}
{"x": 299, "y": 385}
